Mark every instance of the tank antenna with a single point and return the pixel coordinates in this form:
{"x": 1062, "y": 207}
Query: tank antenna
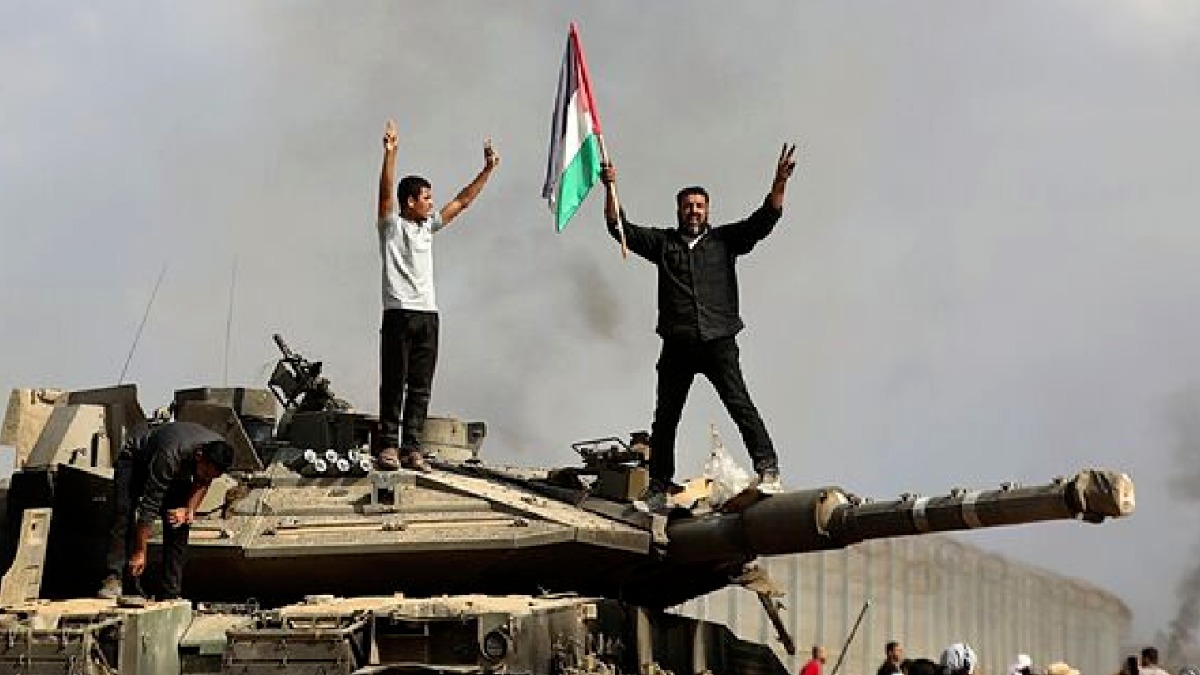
{"x": 850, "y": 637}
{"x": 229, "y": 320}
{"x": 145, "y": 315}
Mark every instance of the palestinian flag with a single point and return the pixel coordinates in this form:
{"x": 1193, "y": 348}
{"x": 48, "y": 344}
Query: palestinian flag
{"x": 574, "y": 163}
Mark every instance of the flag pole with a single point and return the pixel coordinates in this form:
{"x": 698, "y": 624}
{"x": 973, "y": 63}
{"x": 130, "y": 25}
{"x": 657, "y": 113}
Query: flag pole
{"x": 573, "y": 37}
{"x": 616, "y": 201}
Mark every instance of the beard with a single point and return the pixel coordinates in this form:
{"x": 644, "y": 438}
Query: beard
{"x": 692, "y": 227}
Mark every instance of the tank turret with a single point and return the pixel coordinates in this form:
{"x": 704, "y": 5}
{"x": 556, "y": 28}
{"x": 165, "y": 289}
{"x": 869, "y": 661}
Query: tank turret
{"x": 472, "y": 528}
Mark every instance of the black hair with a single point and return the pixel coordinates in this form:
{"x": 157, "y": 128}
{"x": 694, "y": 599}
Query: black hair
{"x": 919, "y": 667}
{"x": 1131, "y": 665}
{"x": 1150, "y": 655}
{"x": 891, "y": 645}
{"x": 217, "y": 453}
{"x": 410, "y": 188}
{"x": 688, "y": 191}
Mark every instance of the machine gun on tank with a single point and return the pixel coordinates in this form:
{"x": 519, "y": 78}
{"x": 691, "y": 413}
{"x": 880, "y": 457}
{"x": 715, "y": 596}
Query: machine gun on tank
{"x": 298, "y": 383}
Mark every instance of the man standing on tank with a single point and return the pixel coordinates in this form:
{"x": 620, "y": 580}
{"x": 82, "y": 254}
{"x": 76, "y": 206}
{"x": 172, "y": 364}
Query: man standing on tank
{"x": 406, "y": 222}
{"x": 698, "y": 317}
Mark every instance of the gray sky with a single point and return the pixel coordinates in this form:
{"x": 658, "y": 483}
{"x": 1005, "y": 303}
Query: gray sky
{"x": 986, "y": 270}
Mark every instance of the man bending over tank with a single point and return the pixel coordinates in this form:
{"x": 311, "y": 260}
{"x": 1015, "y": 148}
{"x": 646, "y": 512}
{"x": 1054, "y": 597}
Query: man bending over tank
{"x": 165, "y": 474}
{"x": 698, "y": 317}
{"x": 408, "y": 343}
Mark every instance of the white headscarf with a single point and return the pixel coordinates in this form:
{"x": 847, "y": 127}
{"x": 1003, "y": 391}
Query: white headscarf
{"x": 1023, "y": 661}
{"x": 959, "y": 657}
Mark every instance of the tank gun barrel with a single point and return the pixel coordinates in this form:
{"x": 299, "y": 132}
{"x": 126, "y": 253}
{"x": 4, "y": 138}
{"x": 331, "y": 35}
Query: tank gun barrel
{"x": 828, "y": 518}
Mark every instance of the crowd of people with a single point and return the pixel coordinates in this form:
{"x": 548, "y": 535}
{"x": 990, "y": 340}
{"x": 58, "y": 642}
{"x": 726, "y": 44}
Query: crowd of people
{"x": 961, "y": 659}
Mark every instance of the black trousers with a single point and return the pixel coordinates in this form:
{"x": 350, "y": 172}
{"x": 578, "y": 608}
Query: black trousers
{"x": 408, "y": 348}
{"x": 128, "y": 483}
{"x": 718, "y": 360}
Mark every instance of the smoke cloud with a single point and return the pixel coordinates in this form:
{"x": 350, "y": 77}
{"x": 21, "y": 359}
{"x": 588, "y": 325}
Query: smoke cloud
{"x": 1184, "y": 415}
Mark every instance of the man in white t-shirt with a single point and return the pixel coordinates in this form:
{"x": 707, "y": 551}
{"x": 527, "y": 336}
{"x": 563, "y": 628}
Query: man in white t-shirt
{"x": 408, "y": 345}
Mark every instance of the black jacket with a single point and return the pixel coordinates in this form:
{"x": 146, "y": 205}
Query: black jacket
{"x": 166, "y": 457}
{"x": 697, "y": 286}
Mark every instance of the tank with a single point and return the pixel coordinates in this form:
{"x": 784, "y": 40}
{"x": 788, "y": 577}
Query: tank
{"x": 307, "y": 558}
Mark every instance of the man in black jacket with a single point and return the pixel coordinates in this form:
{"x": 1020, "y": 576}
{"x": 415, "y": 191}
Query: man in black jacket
{"x": 165, "y": 474}
{"x": 698, "y": 317}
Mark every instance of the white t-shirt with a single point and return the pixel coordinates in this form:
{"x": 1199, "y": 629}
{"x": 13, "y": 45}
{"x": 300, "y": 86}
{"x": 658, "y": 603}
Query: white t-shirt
{"x": 406, "y": 249}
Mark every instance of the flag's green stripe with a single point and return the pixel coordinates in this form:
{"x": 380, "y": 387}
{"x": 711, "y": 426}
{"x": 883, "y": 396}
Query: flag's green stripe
{"x": 577, "y": 179}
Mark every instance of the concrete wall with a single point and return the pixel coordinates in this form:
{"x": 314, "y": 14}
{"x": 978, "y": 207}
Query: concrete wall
{"x": 927, "y": 592}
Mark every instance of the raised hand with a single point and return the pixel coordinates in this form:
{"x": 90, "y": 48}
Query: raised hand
{"x": 387, "y": 174}
{"x": 786, "y": 164}
{"x": 390, "y": 140}
{"x": 608, "y": 173}
{"x": 783, "y": 171}
{"x": 467, "y": 195}
{"x": 490, "y": 157}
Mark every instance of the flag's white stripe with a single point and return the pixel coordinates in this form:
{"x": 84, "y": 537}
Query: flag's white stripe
{"x": 579, "y": 127}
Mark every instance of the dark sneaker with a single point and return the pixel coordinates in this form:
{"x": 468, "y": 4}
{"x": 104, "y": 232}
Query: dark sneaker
{"x": 416, "y": 461}
{"x": 388, "y": 460}
{"x": 110, "y": 589}
{"x": 769, "y": 483}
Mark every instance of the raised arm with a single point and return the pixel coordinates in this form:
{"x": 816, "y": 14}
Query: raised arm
{"x": 608, "y": 176}
{"x": 783, "y": 171}
{"x": 468, "y": 194}
{"x": 743, "y": 235}
{"x": 644, "y": 241}
{"x": 387, "y": 175}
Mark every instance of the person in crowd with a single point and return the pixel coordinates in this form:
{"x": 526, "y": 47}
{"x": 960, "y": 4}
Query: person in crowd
{"x": 1023, "y": 665}
{"x": 1148, "y": 664}
{"x": 816, "y": 664}
{"x": 1061, "y": 668}
{"x": 958, "y": 659}
{"x": 920, "y": 667}
{"x": 893, "y": 659}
